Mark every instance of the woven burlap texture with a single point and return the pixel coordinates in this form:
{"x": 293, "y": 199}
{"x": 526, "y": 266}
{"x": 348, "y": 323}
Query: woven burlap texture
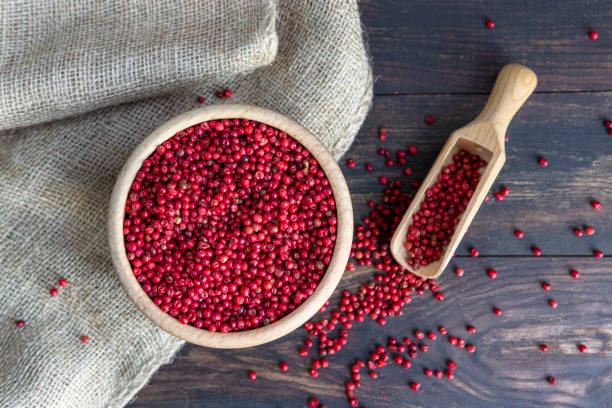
{"x": 305, "y": 59}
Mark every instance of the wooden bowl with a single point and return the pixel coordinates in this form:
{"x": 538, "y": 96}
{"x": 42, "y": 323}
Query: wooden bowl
{"x": 262, "y": 334}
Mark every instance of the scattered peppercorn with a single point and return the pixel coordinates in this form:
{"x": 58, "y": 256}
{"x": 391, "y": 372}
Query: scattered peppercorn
{"x": 84, "y": 339}
{"x": 474, "y": 252}
{"x": 543, "y": 162}
{"x": 598, "y": 254}
{"x": 545, "y": 285}
{"x": 200, "y": 99}
{"x": 470, "y": 348}
{"x": 284, "y": 366}
{"x": 596, "y": 204}
{"x": 459, "y": 271}
{"x": 593, "y": 34}
{"x": 589, "y": 230}
{"x": 575, "y": 273}
{"x": 543, "y": 347}
{"x": 551, "y": 380}
{"x": 582, "y": 348}
{"x": 54, "y": 292}
{"x": 492, "y": 273}
{"x": 20, "y": 323}
{"x": 490, "y": 24}
{"x": 351, "y": 163}
{"x": 430, "y": 120}
{"x": 537, "y": 251}
{"x": 497, "y": 311}
{"x": 553, "y": 303}
{"x": 470, "y": 329}
{"x": 415, "y": 386}
{"x": 519, "y": 234}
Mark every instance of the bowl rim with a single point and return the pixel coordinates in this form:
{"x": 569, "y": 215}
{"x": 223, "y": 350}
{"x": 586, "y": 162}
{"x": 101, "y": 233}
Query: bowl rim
{"x": 284, "y": 325}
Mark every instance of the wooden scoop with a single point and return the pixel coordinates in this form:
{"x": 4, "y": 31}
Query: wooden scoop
{"x": 483, "y": 136}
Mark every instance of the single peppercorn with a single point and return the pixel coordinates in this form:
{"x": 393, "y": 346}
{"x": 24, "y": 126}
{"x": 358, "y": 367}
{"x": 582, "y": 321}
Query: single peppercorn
{"x": 412, "y": 150}
{"x": 284, "y": 366}
{"x": 442, "y": 330}
{"x": 62, "y": 282}
{"x": 543, "y": 161}
{"x": 537, "y": 251}
{"x": 53, "y": 292}
{"x": 303, "y": 352}
{"x": 20, "y": 323}
{"x": 369, "y": 167}
{"x": 545, "y": 285}
{"x": 575, "y": 273}
{"x": 577, "y": 232}
{"x": 607, "y": 124}
{"x": 543, "y": 347}
{"x": 596, "y": 204}
{"x": 432, "y": 335}
{"x": 474, "y": 252}
{"x": 449, "y": 374}
{"x": 314, "y": 373}
{"x": 252, "y": 375}
{"x": 519, "y": 234}
{"x": 553, "y": 303}
{"x": 589, "y": 230}
{"x": 438, "y": 373}
{"x": 470, "y": 348}
{"x": 351, "y": 163}
{"x": 490, "y": 24}
{"x": 430, "y": 120}
{"x": 452, "y": 340}
{"x": 415, "y": 386}
{"x": 313, "y": 402}
{"x": 428, "y": 372}
{"x": 593, "y": 35}
{"x": 582, "y": 348}
{"x": 551, "y": 380}
{"x": 470, "y": 329}
{"x": 459, "y": 271}
{"x": 419, "y": 334}
{"x": 492, "y": 273}
{"x": 598, "y": 254}
{"x": 497, "y": 311}
{"x": 200, "y": 99}
{"x": 84, "y": 339}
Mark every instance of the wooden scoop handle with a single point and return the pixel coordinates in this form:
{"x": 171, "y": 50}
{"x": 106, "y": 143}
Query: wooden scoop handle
{"x": 513, "y": 86}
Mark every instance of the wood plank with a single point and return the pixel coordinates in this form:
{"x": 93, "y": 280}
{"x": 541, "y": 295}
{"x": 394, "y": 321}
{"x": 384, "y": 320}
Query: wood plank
{"x": 444, "y": 47}
{"x": 544, "y": 202}
{"x": 507, "y": 368}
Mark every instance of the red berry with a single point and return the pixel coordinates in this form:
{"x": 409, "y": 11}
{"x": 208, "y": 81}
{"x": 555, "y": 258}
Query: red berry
{"x": 351, "y": 163}
{"x": 497, "y": 311}
{"x": 438, "y": 373}
{"x": 369, "y": 167}
{"x": 423, "y": 347}
{"x": 596, "y": 205}
{"x": 519, "y": 234}
{"x": 430, "y": 120}
{"x": 551, "y": 380}
{"x": 419, "y": 334}
{"x": 577, "y": 232}
{"x": 452, "y": 340}
{"x": 428, "y": 372}
{"x": 415, "y": 386}
{"x": 54, "y": 292}
{"x": 252, "y": 375}
{"x": 314, "y": 373}
{"x": 353, "y": 402}
{"x": 492, "y": 273}
{"x": 537, "y": 251}
{"x": 228, "y": 93}
{"x": 470, "y": 329}
{"x": 474, "y": 252}
{"x": 407, "y": 171}
{"x": 390, "y": 163}
{"x": 439, "y": 296}
{"x": 383, "y": 179}
{"x": 575, "y": 273}
{"x": 498, "y": 196}
{"x": 607, "y": 124}
{"x": 449, "y": 374}
{"x": 443, "y": 330}
{"x": 593, "y": 34}
{"x": 589, "y": 230}
{"x": 490, "y": 24}
{"x": 200, "y": 99}
{"x": 432, "y": 336}
{"x": 313, "y": 402}
{"x": 598, "y": 254}
{"x": 62, "y": 282}
{"x": 459, "y": 271}
{"x": 84, "y": 339}
{"x": 284, "y": 366}
{"x": 412, "y": 150}
{"x": 582, "y": 348}
{"x": 20, "y": 323}
{"x": 451, "y": 364}
{"x": 303, "y": 352}
{"x": 460, "y": 342}
{"x": 553, "y": 303}
{"x": 543, "y": 162}
{"x": 543, "y": 347}
{"x": 470, "y": 348}
{"x": 545, "y": 285}
{"x": 373, "y": 374}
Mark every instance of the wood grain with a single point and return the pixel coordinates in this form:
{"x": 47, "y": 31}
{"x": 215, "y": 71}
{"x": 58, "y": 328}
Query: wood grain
{"x": 507, "y": 368}
{"x": 443, "y": 46}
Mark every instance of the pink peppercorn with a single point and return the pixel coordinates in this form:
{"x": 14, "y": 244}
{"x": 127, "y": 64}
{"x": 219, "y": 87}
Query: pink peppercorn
{"x": 492, "y": 273}
{"x": 432, "y": 336}
{"x": 551, "y": 380}
{"x": 383, "y": 179}
{"x": 575, "y": 273}
{"x": 543, "y": 161}
{"x": 284, "y": 366}
{"x": 442, "y": 330}
{"x": 369, "y": 167}
{"x": 407, "y": 171}
{"x": 415, "y": 386}
{"x": 582, "y": 348}
{"x": 438, "y": 373}
{"x": 430, "y": 120}
{"x": 314, "y": 373}
{"x": 470, "y": 329}
{"x": 313, "y": 402}
{"x": 519, "y": 234}
{"x": 303, "y": 352}
{"x": 596, "y": 204}
{"x": 452, "y": 340}
{"x": 470, "y": 348}
{"x": 537, "y": 251}
{"x": 20, "y": 323}
{"x": 589, "y": 230}
{"x": 577, "y": 232}
{"x": 373, "y": 374}
{"x": 428, "y": 372}
{"x": 543, "y": 347}
{"x": 252, "y": 375}
{"x": 553, "y": 303}
{"x": 598, "y": 254}
{"x": 459, "y": 271}
{"x": 593, "y": 35}
{"x": 419, "y": 334}
{"x": 449, "y": 374}
{"x": 497, "y": 311}
{"x": 412, "y": 150}
{"x": 54, "y": 292}
{"x": 490, "y": 24}
{"x": 351, "y": 163}
{"x": 62, "y": 282}
{"x": 84, "y": 339}
{"x": 200, "y": 99}
{"x": 607, "y": 124}
{"x": 474, "y": 252}
{"x": 545, "y": 285}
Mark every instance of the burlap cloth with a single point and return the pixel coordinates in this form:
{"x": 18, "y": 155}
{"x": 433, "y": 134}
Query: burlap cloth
{"x": 60, "y": 59}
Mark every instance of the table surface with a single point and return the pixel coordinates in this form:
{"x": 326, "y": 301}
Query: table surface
{"x": 436, "y": 58}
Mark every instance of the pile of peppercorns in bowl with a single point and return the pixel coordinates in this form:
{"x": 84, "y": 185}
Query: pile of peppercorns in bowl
{"x": 230, "y": 226}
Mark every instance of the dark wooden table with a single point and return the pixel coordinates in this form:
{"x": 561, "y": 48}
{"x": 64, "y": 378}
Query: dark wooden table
{"x": 437, "y": 58}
